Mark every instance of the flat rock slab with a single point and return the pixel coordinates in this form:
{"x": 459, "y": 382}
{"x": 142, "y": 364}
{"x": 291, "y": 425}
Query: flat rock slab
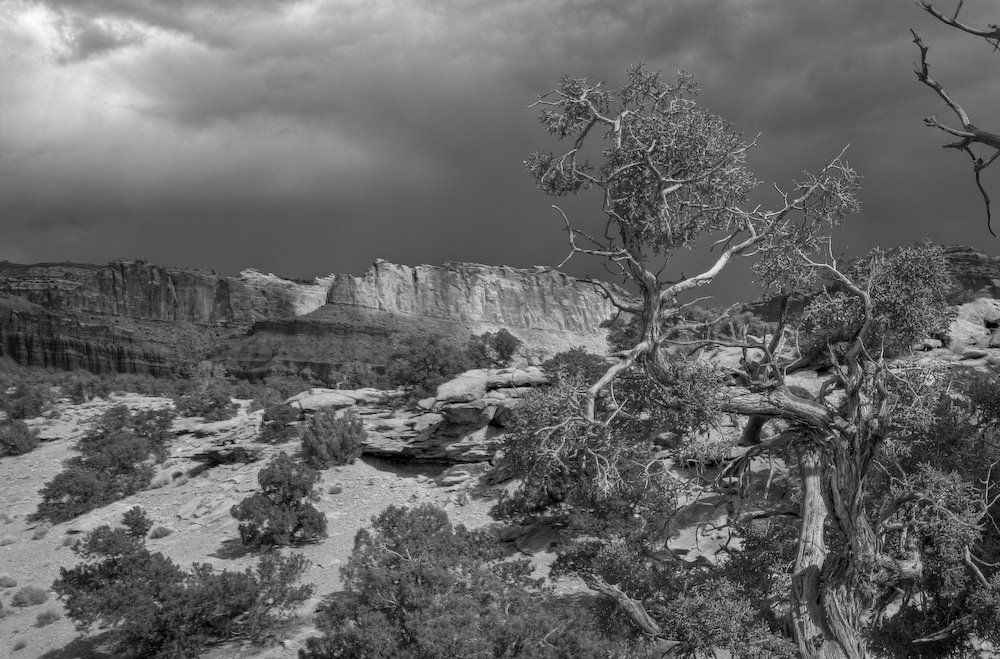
{"x": 320, "y": 399}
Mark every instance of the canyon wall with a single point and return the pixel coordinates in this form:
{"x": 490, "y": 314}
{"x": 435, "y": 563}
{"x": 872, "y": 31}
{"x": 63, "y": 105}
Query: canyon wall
{"x": 132, "y": 316}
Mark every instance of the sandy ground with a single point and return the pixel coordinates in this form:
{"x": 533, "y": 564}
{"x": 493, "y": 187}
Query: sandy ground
{"x": 197, "y": 509}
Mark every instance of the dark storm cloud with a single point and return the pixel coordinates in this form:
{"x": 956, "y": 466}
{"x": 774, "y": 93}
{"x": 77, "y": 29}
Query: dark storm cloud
{"x": 307, "y": 137}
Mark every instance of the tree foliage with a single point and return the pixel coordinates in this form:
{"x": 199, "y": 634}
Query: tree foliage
{"x": 154, "y": 608}
{"x": 116, "y": 460}
{"x": 332, "y": 438}
{"x": 16, "y": 438}
{"x": 280, "y": 512}
{"x": 671, "y": 176}
{"x": 418, "y": 587}
{"x": 423, "y": 360}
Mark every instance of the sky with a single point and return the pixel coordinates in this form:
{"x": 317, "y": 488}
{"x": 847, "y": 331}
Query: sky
{"x": 309, "y": 137}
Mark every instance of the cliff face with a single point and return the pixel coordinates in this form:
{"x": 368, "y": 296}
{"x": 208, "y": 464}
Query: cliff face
{"x": 132, "y": 316}
{"x": 355, "y": 329}
{"x": 477, "y": 295}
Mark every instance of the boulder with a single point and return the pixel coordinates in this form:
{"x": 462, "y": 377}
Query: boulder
{"x": 474, "y": 413}
{"x": 320, "y": 398}
{"x": 969, "y": 326}
{"x": 505, "y": 412}
{"x": 466, "y": 387}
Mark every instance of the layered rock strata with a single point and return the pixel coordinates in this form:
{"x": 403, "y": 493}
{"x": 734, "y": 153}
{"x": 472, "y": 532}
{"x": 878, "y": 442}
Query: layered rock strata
{"x": 135, "y": 317}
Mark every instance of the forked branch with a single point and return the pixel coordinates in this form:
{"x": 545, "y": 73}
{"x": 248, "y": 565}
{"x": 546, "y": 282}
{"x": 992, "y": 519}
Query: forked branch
{"x": 969, "y": 134}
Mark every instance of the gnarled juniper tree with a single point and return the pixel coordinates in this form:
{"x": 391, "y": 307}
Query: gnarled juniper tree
{"x": 673, "y": 176}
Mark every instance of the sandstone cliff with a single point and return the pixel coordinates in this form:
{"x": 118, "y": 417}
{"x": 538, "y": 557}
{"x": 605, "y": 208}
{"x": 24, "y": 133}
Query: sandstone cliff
{"x": 548, "y": 311}
{"x": 132, "y": 316}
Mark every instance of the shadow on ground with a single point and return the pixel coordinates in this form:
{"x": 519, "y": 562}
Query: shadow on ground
{"x": 84, "y": 647}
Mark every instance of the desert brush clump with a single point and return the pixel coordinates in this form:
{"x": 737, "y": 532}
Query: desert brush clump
{"x": 280, "y": 513}
{"x": 576, "y": 362}
{"x": 276, "y": 424}
{"x": 423, "y": 360}
{"x": 211, "y": 400}
{"x": 16, "y": 438}
{"x": 116, "y": 459}
{"x": 332, "y": 438}
{"x": 154, "y": 608}
{"x": 25, "y": 399}
{"x": 493, "y": 348}
{"x": 29, "y": 596}
{"x": 416, "y": 586}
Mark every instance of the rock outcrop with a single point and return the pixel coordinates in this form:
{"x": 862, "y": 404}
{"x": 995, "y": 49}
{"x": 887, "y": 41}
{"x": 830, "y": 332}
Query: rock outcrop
{"x": 443, "y": 429}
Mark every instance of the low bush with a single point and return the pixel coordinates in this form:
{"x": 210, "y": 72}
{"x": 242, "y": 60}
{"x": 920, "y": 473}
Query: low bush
{"x": 493, "y": 349}
{"x": 331, "y": 438}
{"x": 116, "y": 460}
{"x": 415, "y": 586}
{"x": 7, "y": 581}
{"x": 46, "y": 618}
{"x": 26, "y": 400}
{"x": 276, "y": 424}
{"x": 81, "y": 386}
{"x": 160, "y": 532}
{"x": 425, "y": 360}
{"x": 576, "y": 362}
{"x": 280, "y": 513}
{"x": 211, "y": 400}
{"x": 29, "y": 596}
{"x": 16, "y": 438}
{"x": 153, "y": 608}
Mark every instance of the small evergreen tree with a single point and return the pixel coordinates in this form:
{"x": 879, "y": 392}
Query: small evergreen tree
{"x": 276, "y": 424}
{"x": 331, "y": 438}
{"x": 425, "y": 360}
{"x": 280, "y": 513}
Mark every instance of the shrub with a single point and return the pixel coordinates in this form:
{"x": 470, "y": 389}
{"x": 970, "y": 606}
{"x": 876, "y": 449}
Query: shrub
{"x": 16, "y": 438}
{"x": 27, "y": 400}
{"x": 425, "y": 360}
{"x": 82, "y": 387}
{"x": 116, "y": 461}
{"x": 493, "y": 349}
{"x": 29, "y": 596}
{"x": 46, "y": 618}
{"x": 576, "y": 362}
{"x": 211, "y": 400}
{"x": 275, "y": 424}
{"x": 156, "y": 609}
{"x": 137, "y": 522}
{"x": 7, "y": 581}
{"x": 41, "y": 530}
{"x": 332, "y": 439}
{"x": 280, "y": 513}
{"x": 160, "y": 532}
{"x": 418, "y": 587}
{"x": 20, "y": 645}
{"x": 286, "y": 386}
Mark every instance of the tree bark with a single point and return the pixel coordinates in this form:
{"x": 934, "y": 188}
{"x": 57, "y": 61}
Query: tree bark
{"x": 823, "y": 606}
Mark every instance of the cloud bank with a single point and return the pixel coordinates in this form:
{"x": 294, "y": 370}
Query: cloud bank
{"x": 314, "y": 136}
